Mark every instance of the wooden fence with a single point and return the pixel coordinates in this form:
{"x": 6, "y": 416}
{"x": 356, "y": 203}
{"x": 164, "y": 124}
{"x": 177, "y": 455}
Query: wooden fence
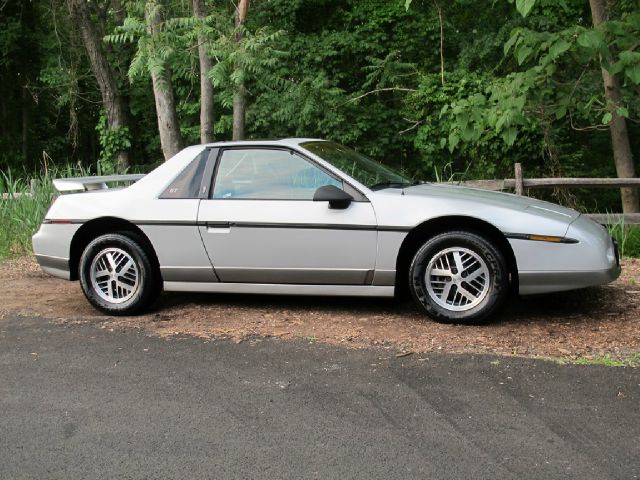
{"x": 519, "y": 184}
{"x": 33, "y": 185}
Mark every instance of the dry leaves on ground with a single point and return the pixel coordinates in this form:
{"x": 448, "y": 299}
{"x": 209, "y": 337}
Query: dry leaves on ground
{"x": 591, "y": 322}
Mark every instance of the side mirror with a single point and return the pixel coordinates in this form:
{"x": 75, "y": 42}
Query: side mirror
{"x": 338, "y": 199}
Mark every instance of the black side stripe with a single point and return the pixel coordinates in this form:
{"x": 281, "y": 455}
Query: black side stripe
{"x": 311, "y": 226}
{"x": 305, "y": 226}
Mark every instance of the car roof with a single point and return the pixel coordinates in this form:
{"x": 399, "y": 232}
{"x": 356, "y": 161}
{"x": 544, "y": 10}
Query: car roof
{"x": 277, "y": 142}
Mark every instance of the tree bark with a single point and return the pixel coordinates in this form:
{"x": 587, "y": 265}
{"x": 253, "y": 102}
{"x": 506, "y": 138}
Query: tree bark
{"x": 168, "y": 124}
{"x": 622, "y": 155}
{"x": 240, "y": 96}
{"x": 112, "y": 99}
{"x": 207, "y": 134}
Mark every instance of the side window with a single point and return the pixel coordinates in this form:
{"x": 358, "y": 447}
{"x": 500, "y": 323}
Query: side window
{"x": 187, "y": 183}
{"x": 268, "y": 175}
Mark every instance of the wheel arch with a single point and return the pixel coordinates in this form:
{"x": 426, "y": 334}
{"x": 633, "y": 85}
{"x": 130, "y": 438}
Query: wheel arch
{"x": 100, "y": 226}
{"x": 419, "y": 234}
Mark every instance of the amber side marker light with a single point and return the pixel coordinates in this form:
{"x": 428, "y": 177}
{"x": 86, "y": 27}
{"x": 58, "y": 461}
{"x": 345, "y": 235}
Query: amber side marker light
{"x": 541, "y": 238}
{"x": 545, "y": 238}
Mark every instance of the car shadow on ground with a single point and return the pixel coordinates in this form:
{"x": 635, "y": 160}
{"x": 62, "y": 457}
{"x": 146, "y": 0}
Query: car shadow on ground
{"x": 590, "y": 303}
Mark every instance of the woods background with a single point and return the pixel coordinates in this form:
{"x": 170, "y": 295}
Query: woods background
{"x": 440, "y": 89}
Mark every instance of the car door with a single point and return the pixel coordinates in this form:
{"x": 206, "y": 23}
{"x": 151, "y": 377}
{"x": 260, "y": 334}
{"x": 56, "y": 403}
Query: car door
{"x": 261, "y": 225}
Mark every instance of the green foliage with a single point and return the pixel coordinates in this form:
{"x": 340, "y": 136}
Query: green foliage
{"x": 628, "y": 238}
{"x": 112, "y": 141}
{"x": 462, "y": 127}
{"x": 253, "y": 60}
{"x": 156, "y": 47}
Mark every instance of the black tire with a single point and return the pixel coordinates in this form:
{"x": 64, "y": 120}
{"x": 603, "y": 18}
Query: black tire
{"x": 490, "y": 289}
{"x": 144, "y": 289}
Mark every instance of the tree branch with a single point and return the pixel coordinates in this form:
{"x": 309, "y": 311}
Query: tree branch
{"x": 377, "y": 90}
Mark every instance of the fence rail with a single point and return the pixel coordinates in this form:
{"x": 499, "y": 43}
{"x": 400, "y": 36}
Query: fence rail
{"x": 10, "y": 196}
{"x": 33, "y": 185}
{"x": 510, "y": 183}
{"x": 519, "y": 183}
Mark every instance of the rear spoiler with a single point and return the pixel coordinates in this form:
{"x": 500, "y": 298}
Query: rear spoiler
{"x": 92, "y": 183}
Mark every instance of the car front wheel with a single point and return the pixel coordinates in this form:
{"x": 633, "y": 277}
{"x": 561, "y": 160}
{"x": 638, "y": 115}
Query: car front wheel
{"x": 459, "y": 277}
{"x": 116, "y": 274}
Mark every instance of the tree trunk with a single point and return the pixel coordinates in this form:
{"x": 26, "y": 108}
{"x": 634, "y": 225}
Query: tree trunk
{"x": 622, "y": 155}
{"x": 239, "y": 109}
{"x": 240, "y": 96}
{"x": 168, "y": 125}
{"x": 113, "y": 101}
{"x": 207, "y": 134}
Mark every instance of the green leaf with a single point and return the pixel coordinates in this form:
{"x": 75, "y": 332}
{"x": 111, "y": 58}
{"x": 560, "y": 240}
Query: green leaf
{"x": 453, "y": 141}
{"x": 522, "y": 52}
{"x": 468, "y": 132}
{"x": 623, "y": 112}
{"x": 591, "y": 39}
{"x": 509, "y": 135}
{"x": 606, "y": 118}
{"x": 560, "y": 112}
{"x": 559, "y": 48}
{"x": 524, "y": 6}
{"x": 634, "y": 74}
{"x": 407, "y": 4}
{"x": 511, "y": 42}
{"x": 614, "y": 68}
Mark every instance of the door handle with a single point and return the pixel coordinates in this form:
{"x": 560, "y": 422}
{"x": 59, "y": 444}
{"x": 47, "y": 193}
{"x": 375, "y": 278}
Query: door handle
{"x": 218, "y": 227}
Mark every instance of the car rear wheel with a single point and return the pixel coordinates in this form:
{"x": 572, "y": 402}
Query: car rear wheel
{"x": 116, "y": 274}
{"x": 459, "y": 277}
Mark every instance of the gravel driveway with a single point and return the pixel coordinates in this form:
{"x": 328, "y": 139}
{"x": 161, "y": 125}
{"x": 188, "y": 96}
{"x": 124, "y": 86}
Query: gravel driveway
{"x": 596, "y": 322}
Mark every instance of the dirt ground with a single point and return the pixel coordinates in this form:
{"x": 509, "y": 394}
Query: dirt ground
{"x": 586, "y": 323}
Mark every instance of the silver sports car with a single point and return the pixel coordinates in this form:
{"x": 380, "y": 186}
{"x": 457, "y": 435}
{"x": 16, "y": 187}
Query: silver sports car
{"x": 311, "y": 217}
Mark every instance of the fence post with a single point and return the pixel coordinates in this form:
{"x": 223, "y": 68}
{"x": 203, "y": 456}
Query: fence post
{"x": 519, "y": 179}
{"x": 33, "y": 186}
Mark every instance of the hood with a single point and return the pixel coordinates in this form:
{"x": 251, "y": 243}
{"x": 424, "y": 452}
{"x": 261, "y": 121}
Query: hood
{"x": 498, "y": 199}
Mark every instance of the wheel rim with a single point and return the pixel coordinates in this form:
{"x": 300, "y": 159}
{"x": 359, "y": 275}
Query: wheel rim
{"x": 114, "y": 275}
{"x": 457, "y": 279}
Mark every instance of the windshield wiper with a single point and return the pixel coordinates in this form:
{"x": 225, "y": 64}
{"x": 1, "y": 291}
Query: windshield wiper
{"x": 390, "y": 184}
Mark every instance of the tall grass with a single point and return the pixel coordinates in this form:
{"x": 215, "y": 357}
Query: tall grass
{"x": 628, "y": 237}
{"x": 22, "y": 213}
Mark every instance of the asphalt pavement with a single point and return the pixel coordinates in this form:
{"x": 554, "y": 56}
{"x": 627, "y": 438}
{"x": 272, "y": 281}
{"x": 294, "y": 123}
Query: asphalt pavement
{"x": 80, "y": 402}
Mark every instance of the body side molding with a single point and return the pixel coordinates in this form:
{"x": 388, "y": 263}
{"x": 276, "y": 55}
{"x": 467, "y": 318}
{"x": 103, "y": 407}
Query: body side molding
{"x": 282, "y": 289}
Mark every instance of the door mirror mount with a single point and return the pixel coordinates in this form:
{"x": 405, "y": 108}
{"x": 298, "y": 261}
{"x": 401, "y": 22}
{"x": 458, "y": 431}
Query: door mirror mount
{"x": 337, "y": 198}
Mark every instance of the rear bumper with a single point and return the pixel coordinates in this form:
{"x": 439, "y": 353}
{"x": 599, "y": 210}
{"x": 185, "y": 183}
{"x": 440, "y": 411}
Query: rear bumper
{"x": 545, "y": 282}
{"x": 51, "y": 247}
{"x": 55, "y": 266}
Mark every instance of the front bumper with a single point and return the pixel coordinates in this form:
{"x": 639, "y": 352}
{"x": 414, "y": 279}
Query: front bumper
{"x": 532, "y": 283}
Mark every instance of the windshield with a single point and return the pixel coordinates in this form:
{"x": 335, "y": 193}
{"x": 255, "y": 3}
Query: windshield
{"x": 366, "y": 171}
